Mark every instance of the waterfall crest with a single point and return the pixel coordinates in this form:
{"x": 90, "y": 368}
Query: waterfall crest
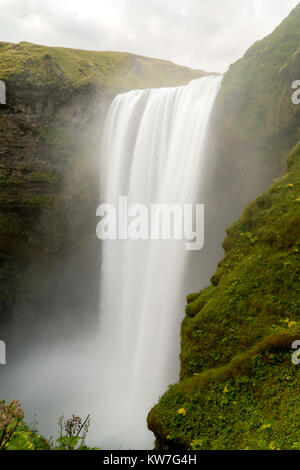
{"x": 153, "y": 152}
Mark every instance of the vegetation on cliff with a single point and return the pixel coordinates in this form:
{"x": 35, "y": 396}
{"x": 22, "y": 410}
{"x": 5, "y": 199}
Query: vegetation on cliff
{"x": 37, "y": 67}
{"x": 238, "y": 385}
{"x": 256, "y": 120}
{"x": 15, "y": 434}
{"x": 255, "y": 289}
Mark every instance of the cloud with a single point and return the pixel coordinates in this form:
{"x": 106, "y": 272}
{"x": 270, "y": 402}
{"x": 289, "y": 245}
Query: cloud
{"x": 198, "y": 33}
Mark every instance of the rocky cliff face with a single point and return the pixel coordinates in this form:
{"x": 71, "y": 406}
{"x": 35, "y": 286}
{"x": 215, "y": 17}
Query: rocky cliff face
{"x": 238, "y": 383}
{"x": 48, "y": 192}
{"x": 257, "y": 123}
{"x": 50, "y": 137}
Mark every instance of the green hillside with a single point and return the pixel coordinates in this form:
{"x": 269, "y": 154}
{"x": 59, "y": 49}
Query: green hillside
{"x": 258, "y": 122}
{"x": 239, "y": 386}
{"x": 39, "y": 66}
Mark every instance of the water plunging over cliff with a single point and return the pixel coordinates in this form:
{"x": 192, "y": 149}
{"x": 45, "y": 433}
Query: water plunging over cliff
{"x": 154, "y": 152}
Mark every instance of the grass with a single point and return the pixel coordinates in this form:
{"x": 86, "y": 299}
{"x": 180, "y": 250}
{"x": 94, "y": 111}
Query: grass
{"x": 40, "y": 66}
{"x": 250, "y": 404}
{"x": 255, "y": 288}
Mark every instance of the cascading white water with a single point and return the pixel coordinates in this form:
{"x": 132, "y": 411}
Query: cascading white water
{"x": 154, "y": 152}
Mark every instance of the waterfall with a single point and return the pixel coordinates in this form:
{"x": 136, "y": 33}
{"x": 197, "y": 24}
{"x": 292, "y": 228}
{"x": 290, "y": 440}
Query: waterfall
{"x": 153, "y": 152}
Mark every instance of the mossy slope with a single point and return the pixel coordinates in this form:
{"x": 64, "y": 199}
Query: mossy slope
{"x": 255, "y": 288}
{"x": 238, "y": 384}
{"x": 38, "y": 67}
{"x": 250, "y": 404}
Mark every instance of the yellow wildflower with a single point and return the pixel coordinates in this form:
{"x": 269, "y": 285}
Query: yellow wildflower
{"x": 266, "y": 426}
{"x": 290, "y": 323}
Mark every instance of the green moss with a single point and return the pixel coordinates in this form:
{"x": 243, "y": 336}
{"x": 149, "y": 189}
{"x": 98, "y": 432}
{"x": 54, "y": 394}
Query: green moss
{"x": 40, "y": 200}
{"x": 255, "y": 289}
{"x": 11, "y": 224}
{"x": 51, "y": 177}
{"x": 250, "y": 404}
{"x": 196, "y": 302}
{"x": 58, "y": 137}
{"x": 238, "y": 385}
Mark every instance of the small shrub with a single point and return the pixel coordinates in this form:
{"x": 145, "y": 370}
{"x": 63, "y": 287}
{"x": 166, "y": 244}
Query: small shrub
{"x": 73, "y": 433}
{"x": 10, "y": 417}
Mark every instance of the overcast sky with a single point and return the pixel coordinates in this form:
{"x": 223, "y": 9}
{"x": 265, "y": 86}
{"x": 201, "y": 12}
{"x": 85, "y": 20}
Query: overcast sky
{"x": 206, "y": 34}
